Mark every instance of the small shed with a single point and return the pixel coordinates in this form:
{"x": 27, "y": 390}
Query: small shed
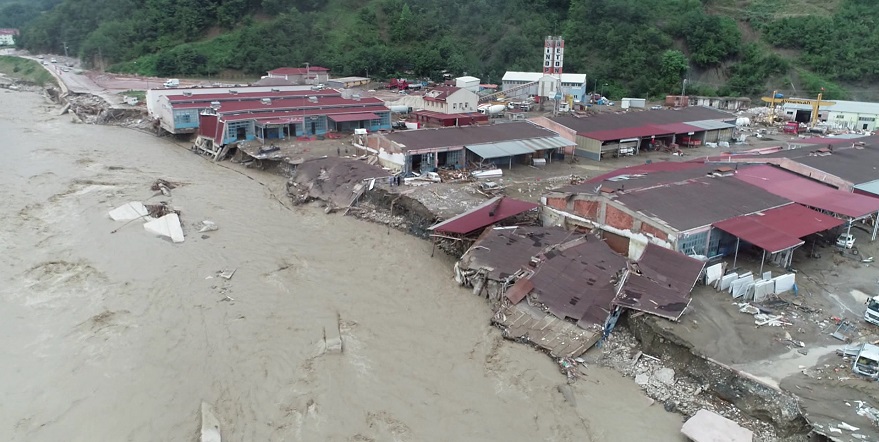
{"x": 467, "y": 82}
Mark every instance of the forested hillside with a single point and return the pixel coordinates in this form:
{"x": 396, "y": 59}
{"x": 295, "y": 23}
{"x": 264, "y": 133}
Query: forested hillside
{"x": 636, "y": 47}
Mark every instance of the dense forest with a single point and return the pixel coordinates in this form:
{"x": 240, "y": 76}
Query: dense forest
{"x": 631, "y": 47}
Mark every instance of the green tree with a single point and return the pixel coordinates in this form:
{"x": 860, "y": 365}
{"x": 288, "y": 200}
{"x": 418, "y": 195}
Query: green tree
{"x": 673, "y": 66}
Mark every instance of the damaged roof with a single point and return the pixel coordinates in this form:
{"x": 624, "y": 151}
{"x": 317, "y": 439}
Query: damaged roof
{"x": 492, "y": 211}
{"x": 661, "y": 284}
{"x": 578, "y": 280}
{"x": 504, "y": 250}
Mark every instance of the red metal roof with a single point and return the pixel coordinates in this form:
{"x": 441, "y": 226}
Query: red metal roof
{"x": 643, "y": 131}
{"x": 807, "y": 192}
{"x": 678, "y": 128}
{"x": 297, "y": 71}
{"x": 663, "y": 166}
{"x": 779, "y": 229}
{"x": 360, "y": 116}
{"x": 442, "y": 116}
{"x": 492, "y": 211}
{"x": 244, "y": 96}
{"x": 280, "y": 120}
{"x": 207, "y": 125}
{"x": 300, "y": 113}
{"x": 285, "y": 103}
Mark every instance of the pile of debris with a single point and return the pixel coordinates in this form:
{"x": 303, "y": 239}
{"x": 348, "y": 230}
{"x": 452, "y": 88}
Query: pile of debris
{"x": 676, "y": 393}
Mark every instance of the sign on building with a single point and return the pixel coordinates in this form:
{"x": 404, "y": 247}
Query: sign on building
{"x": 553, "y": 55}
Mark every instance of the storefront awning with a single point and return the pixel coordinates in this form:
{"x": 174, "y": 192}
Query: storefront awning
{"x": 363, "y": 116}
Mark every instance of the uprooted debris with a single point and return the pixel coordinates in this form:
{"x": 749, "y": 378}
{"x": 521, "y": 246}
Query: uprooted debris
{"x": 164, "y": 186}
{"x": 129, "y": 211}
{"x": 338, "y": 181}
{"x": 675, "y": 392}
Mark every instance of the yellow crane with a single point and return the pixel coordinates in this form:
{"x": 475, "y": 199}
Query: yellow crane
{"x": 775, "y": 100}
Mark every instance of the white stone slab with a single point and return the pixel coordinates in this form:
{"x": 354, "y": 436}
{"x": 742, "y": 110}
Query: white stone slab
{"x": 785, "y": 283}
{"x": 713, "y": 273}
{"x": 708, "y": 426}
{"x": 726, "y": 280}
{"x": 167, "y": 226}
{"x": 129, "y": 211}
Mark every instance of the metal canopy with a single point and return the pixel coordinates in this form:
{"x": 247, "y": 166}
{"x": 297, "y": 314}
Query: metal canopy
{"x": 517, "y": 147}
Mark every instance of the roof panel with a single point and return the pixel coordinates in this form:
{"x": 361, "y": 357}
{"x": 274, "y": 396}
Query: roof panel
{"x": 610, "y": 121}
{"x": 711, "y": 124}
{"x": 753, "y": 231}
{"x": 808, "y": 192}
{"x": 494, "y": 210}
{"x": 499, "y": 150}
{"x": 468, "y": 135}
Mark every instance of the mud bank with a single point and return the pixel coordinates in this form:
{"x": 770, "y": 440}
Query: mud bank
{"x": 752, "y": 397}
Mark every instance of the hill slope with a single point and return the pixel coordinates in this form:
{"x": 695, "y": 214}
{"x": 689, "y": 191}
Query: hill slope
{"x": 636, "y": 47}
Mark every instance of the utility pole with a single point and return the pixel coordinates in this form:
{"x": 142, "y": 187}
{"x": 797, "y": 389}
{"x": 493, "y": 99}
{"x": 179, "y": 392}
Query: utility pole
{"x": 65, "y": 50}
{"x": 684, "y": 87}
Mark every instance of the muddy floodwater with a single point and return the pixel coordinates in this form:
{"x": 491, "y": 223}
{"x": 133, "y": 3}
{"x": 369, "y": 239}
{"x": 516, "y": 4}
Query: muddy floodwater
{"x": 120, "y": 336}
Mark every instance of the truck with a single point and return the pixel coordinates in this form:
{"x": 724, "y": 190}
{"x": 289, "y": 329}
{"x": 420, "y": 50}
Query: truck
{"x": 171, "y": 82}
{"x": 791, "y": 127}
{"x": 872, "y": 313}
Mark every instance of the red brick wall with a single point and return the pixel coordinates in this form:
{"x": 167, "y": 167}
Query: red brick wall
{"x": 650, "y": 229}
{"x": 617, "y": 218}
{"x": 586, "y": 209}
{"x": 557, "y": 203}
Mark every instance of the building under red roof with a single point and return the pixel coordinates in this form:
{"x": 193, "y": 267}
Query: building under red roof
{"x": 493, "y": 211}
{"x": 244, "y": 96}
{"x": 807, "y": 192}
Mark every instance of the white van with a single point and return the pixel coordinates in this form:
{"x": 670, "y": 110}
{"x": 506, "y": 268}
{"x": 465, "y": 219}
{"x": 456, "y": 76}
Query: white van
{"x": 173, "y": 82}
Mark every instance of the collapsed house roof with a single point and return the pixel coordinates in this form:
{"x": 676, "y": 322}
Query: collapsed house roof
{"x": 492, "y": 211}
{"x": 576, "y": 276}
{"x": 578, "y": 279}
{"x": 662, "y": 283}
{"x": 519, "y": 244}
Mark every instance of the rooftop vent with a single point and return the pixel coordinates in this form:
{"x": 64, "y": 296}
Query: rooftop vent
{"x": 187, "y": 93}
{"x": 233, "y": 92}
{"x": 215, "y": 105}
{"x": 722, "y": 171}
{"x": 312, "y": 99}
{"x": 274, "y": 89}
{"x": 266, "y": 101}
{"x": 355, "y": 97}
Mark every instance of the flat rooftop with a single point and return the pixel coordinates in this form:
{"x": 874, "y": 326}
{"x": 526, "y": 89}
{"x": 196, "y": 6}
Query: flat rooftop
{"x": 629, "y": 120}
{"x": 462, "y": 136}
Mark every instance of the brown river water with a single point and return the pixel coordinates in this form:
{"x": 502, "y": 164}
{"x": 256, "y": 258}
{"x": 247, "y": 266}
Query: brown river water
{"x": 120, "y": 336}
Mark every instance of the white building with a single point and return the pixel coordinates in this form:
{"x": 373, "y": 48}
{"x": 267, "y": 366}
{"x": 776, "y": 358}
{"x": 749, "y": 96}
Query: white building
{"x": 571, "y": 84}
{"x": 852, "y": 115}
{"x": 306, "y": 75}
{"x": 449, "y": 100}
{"x": 468, "y": 82}
{"x": 7, "y": 37}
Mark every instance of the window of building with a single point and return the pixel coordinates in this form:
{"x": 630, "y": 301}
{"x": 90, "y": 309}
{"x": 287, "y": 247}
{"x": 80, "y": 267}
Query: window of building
{"x": 868, "y": 119}
{"x": 693, "y": 244}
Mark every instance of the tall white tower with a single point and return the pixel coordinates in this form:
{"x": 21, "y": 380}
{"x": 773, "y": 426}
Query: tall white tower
{"x": 553, "y": 55}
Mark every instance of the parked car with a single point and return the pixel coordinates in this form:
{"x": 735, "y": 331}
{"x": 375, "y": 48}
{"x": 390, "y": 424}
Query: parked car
{"x": 53, "y": 60}
{"x": 845, "y": 241}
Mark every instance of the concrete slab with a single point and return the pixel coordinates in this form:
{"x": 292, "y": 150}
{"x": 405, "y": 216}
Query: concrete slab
{"x": 210, "y": 425}
{"x": 708, "y": 426}
{"x": 332, "y": 337}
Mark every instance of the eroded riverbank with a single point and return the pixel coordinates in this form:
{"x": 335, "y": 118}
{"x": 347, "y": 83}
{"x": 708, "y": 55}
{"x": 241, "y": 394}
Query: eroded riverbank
{"x": 121, "y": 336}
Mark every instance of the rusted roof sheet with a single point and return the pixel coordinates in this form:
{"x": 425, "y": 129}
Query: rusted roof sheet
{"x": 494, "y": 210}
{"x": 577, "y": 281}
{"x": 662, "y": 284}
{"x": 519, "y": 290}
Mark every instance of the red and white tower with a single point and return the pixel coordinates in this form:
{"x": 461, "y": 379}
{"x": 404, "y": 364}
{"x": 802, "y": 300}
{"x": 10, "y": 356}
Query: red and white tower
{"x": 553, "y": 55}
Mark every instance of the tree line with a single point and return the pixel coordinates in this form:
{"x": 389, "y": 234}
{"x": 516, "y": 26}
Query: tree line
{"x": 636, "y": 47}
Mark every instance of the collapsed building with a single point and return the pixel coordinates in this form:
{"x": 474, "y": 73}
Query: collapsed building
{"x": 563, "y": 290}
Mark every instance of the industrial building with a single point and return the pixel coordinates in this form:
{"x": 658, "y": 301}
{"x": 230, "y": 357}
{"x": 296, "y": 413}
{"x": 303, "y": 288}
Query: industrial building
{"x": 306, "y": 75}
{"x": 229, "y": 122}
{"x": 852, "y": 115}
{"x": 721, "y": 103}
{"x": 524, "y": 84}
{"x": 468, "y": 82}
{"x": 844, "y": 163}
{"x": 504, "y": 144}
{"x": 606, "y": 135}
{"x": 706, "y": 211}
{"x": 347, "y": 82}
